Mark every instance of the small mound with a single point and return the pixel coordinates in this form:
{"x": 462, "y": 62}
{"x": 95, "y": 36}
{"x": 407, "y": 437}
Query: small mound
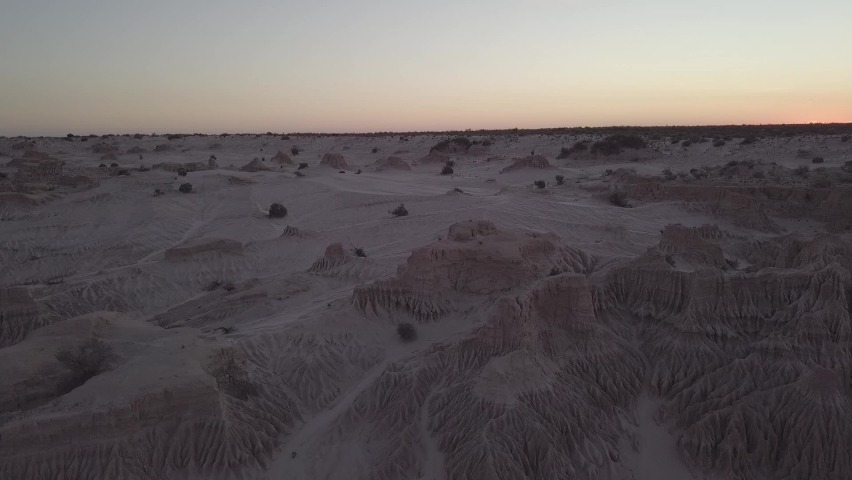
{"x": 290, "y": 231}
{"x": 282, "y": 157}
{"x": 435, "y": 157}
{"x": 391, "y": 163}
{"x": 334, "y": 160}
{"x": 136, "y": 150}
{"x": 335, "y": 256}
{"x": 477, "y": 150}
{"x": 534, "y": 161}
{"x": 254, "y": 166}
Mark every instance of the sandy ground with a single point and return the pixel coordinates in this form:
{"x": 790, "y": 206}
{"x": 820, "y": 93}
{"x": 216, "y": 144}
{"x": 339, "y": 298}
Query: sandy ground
{"x": 320, "y": 386}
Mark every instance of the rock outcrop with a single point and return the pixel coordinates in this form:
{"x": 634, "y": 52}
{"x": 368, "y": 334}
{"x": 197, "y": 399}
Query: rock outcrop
{"x": 335, "y": 161}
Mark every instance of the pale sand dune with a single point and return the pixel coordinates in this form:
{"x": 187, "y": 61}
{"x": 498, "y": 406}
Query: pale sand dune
{"x": 703, "y": 333}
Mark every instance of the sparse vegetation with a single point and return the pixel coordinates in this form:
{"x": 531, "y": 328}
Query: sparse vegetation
{"x": 818, "y": 160}
{"x": 400, "y": 211}
{"x": 719, "y": 143}
{"x": 181, "y": 172}
{"x": 295, "y": 150}
{"x": 802, "y": 171}
{"x": 615, "y": 144}
{"x": 406, "y": 332}
{"x": 618, "y": 199}
{"x": 447, "y": 170}
{"x": 576, "y": 148}
{"x": 668, "y": 174}
{"x": 157, "y": 192}
{"x": 449, "y": 146}
{"x": 686, "y": 143}
{"x": 539, "y": 184}
{"x": 113, "y": 165}
{"x": 749, "y": 140}
{"x": 698, "y": 174}
{"x": 560, "y": 179}
{"x": 84, "y": 361}
{"x": 302, "y": 166}
{"x": 103, "y": 165}
{"x": 358, "y": 172}
{"x": 276, "y": 210}
{"x": 185, "y": 188}
{"x": 758, "y": 175}
{"x": 845, "y": 138}
{"x": 375, "y": 149}
{"x": 299, "y": 174}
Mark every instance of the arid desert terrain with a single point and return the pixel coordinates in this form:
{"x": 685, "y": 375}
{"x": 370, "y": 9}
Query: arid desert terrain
{"x": 592, "y": 306}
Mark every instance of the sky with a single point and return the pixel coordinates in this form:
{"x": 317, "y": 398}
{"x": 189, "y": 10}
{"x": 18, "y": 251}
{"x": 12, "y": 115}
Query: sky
{"x": 214, "y": 66}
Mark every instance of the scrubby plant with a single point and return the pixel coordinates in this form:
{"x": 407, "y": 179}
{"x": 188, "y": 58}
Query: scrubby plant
{"x": 758, "y": 175}
{"x": 732, "y": 163}
{"x": 539, "y": 183}
{"x": 818, "y": 160}
{"x": 748, "y": 141}
{"x": 375, "y": 149}
{"x": 668, "y": 174}
{"x": 670, "y": 260}
{"x": 618, "y": 199}
{"x": 614, "y": 144}
{"x": 847, "y": 167}
{"x": 185, "y": 188}
{"x": 113, "y": 165}
{"x": 406, "y": 332}
{"x": 123, "y": 172}
{"x": 181, "y": 172}
{"x": 447, "y": 170}
{"x": 446, "y": 145}
{"x": 560, "y": 179}
{"x": 698, "y": 174}
{"x": 719, "y": 143}
{"x": 295, "y": 150}
{"x": 103, "y": 165}
{"x": 276, "y": 210}
{"x": 845, "y": 138}
{"x": 299, "y": 174}
{"x": 85, "y": 360}
{"x": 358, "y": 172}
{"x": 143, "y": 168}
{"x": 400, "y": 211}
{"x": 451, "y": 163}
{"x": 157, "y": 192}
{"x": 302, "y": 166}
{"x": 686, "y": 143}
{"x": 576, "y": 148}
{"x": 801, "y": 170}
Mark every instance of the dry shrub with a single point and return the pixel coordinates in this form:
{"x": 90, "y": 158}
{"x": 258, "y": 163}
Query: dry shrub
{"x": 407, "y": 332}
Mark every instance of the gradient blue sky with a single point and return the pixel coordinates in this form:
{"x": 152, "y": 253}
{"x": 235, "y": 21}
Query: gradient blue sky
{"x": 120, "y": 66}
